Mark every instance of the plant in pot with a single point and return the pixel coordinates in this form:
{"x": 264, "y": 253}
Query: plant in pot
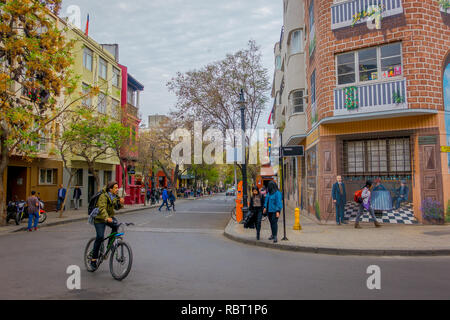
{"x": 432, "y": 211}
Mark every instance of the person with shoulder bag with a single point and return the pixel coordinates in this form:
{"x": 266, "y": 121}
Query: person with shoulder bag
{"x": 257, "y": 206}
{"x": 273, "y": 205}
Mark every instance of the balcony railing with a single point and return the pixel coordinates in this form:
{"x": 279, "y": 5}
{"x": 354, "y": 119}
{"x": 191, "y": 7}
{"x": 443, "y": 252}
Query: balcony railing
{"x": 132, "y": 110}
{"x": 377, "y": 97}
{"x": 342, "y": 13}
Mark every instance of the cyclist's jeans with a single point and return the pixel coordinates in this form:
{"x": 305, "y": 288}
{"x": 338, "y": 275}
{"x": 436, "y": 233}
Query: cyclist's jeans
{"x": 100, "y": 230}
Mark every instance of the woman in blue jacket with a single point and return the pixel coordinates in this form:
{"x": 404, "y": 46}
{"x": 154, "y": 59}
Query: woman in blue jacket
{"x": 272, "y": 206}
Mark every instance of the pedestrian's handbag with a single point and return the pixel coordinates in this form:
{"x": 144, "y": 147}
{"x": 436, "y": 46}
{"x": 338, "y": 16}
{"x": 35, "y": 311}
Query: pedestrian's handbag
{"x": 358, "y": 196}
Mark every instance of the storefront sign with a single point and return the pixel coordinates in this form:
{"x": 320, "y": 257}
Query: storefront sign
{"x": 295, "y": 151}
{"x": 427, "y": 140}
{"x": 445, "y": 149}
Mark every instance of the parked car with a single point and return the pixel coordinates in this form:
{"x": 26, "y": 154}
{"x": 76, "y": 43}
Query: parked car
{"x": 231, "y": 192}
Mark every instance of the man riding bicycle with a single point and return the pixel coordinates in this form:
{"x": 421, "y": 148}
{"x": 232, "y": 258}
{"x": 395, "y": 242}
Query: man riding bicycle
{"x": 107, "y": 202}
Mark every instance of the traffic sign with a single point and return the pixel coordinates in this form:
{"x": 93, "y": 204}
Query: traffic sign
{"x": 295, "y": 151}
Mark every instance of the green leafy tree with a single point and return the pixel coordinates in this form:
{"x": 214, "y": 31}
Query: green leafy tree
{"x": 35, "y": 71}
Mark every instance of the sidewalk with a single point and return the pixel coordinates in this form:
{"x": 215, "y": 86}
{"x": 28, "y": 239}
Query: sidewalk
{"x": 389, "y": 240}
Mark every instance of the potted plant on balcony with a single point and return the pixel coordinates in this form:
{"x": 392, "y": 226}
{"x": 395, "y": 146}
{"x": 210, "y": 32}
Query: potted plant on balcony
{"x": 351, "y": 97}
{"x": 432, "y": 211}
{"x": 367, "y": 14}
{"x": 398, "y": 98}
{"x": 444, "y": 5}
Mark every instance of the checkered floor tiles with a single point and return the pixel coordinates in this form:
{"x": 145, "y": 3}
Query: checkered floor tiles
{"x": 403, "y": 215}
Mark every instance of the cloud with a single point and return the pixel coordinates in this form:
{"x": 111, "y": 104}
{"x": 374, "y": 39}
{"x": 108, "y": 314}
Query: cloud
{"x": 158, "y": 38}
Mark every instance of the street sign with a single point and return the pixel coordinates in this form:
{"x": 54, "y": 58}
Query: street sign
{"x": 445, "y": 149}
{"x": 295, "y": 151}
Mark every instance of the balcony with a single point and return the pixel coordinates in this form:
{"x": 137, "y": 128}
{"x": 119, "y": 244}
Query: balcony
{"x": 444, "y": 6}
{"x": 376, "y": 97}
{"x": 132, "y": 110}
{"x": 342, "y": 13}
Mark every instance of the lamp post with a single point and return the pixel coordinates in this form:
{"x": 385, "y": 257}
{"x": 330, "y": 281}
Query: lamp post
{"x": 244, "y": 157}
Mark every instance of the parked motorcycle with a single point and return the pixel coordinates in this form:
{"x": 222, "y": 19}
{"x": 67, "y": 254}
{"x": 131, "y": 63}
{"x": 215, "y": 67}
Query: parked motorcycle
{"x": 42, "y": 213}
{"x": 16, "y": 210}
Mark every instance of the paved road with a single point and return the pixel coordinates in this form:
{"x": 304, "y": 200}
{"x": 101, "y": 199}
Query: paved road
{"x": 184, "y": 255}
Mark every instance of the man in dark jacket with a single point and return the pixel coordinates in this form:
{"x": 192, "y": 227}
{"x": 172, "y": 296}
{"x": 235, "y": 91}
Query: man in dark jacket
{"x": 339, "y": 199}
{"x": 165, "y": 198}
{"x": 76, "y": 197}
{"x": 61, "y": 196}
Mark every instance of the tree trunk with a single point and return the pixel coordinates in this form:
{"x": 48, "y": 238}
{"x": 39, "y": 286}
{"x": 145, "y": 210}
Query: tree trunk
{"x": 4, "y": 161}
{"x": 2, "y": 201}
{"x": 67, "y": 194}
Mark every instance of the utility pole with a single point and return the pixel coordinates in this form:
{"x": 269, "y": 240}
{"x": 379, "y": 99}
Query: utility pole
{"x": 244, "y": 156}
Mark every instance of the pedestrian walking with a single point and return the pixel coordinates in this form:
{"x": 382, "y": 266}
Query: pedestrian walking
{"x": 165, "y": 198}
{"x": 61, "y": 197}
{"x": 76, "y": 197}
{"x": 256, "y": 207}
{"x": 272, "y": 206}
{"x": 339, "y": 199}
{"x": 365, "y": 204}
{"x": 172, "y": 200}
{"x": 33, "y": 211}
{"x": 149, "y": 195}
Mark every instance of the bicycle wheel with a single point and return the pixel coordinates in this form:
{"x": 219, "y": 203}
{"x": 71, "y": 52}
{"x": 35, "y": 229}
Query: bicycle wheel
{"x": 18, "y": 218}
{"x": 121, "y": 260}
{"x": 233, "y": 214}
{"x": 88, "y": 252}
{"x": 42, "y": 217}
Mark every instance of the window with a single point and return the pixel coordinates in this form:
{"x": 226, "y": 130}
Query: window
{"x": 278, "y": 62}
{"x": 115, "y": 108}
{"x": 103, "y": 68}
{"x": 78, "y": 177}
{"x": 383, "y": 156}
{"x": 87, "y": 100}
{"x": 311, "y": 15}
{"x": 107, "y": 177}
{"x": 87, "y": 58}
{"x": 313, "y": 87}
{"x": 373, "y": 64}
{"x": 116, "y": 77}
{"x": 130, "y": 96}
{"x": 296, "y": 42}
{"x": 297, "y": 101}
{"x": 101, "y": 105}
{"x": 46, "y": 176}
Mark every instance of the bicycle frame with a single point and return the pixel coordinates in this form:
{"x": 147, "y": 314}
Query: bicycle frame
{"x": 112, "y": 241}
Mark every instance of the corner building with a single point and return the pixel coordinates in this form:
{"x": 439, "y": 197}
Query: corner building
{"x": 376, "y": 106}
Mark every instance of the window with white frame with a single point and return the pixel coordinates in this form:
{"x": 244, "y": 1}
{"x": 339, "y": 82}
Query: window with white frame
{"x": 116, "y": 77}
{"x": 375, "y": 63}
{"x": 87, "y": 58}
{"x": 296, "y": 44}
{"x": 103, "y": 68}
{"x": 101, "y": 104}
{"x": 278, "y": 62}
{"x": 296, "y": 100}
{"x": 87, "y": 100}
{"x": 47, "y": 176}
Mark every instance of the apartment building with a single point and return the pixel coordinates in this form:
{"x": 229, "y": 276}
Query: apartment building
{"x": 289, "y": 89}
{"x": 378, "y": 102}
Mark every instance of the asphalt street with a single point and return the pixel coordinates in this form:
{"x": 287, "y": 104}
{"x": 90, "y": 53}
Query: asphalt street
{"x": 184, "y": 255}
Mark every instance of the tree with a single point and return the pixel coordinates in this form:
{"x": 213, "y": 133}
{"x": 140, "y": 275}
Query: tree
{"x": 35, "y": 61}
{"x": 212, "y": 93}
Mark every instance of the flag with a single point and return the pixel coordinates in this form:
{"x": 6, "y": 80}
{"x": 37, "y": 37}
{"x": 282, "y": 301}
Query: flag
{"x": 270, "y": 117}
{"x": 87, "y": 26}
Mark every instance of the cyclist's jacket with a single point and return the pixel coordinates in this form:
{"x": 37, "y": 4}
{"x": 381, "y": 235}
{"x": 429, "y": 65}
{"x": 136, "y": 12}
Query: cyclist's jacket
{"x": 106, "y": 206}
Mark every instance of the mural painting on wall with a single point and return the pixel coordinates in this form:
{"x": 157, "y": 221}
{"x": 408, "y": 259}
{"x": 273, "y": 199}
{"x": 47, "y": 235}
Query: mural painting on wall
{"x": 446, "y": 84}
{"x": 311, "y": 163}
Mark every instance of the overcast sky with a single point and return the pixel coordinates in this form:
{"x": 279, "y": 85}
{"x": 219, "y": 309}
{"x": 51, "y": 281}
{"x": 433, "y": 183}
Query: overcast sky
{"x": 158, "y": 38}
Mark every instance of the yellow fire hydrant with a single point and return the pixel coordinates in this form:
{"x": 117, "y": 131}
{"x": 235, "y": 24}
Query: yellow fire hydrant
{"x": 297, "y": 225}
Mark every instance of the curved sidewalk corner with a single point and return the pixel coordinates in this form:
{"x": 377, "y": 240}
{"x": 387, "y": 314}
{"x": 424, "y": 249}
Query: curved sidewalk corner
{"x": 389, "y": 240}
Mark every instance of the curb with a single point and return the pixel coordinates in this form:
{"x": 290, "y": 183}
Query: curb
{"x": 336, "y": 251}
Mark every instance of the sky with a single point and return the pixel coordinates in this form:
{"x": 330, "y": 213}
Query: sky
{"x": 158, "y": 38}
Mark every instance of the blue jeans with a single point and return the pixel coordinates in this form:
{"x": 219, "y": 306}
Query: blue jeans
{"x": 340, "y": 212}
{"x": 34, "y": 215}
{"x": 60, "y": 202}
{"x": 162, "y": 205}
{"x": 397, "y": 201}
{"x": 100, "y": 236}
{"x": 361, "y": 211}
{"x": 273, "y": 223}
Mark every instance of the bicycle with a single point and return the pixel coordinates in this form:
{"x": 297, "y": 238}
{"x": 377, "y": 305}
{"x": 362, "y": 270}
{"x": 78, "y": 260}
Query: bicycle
{"x": 120, "y": 253}
{"x": 233, "y": 215}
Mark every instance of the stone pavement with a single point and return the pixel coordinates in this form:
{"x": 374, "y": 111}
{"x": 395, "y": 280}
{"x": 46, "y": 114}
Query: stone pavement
{"x": 389, "y": 240}
{"x": 76, "y": 215}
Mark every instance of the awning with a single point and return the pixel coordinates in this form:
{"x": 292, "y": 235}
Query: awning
{"x": 267, "y": 172}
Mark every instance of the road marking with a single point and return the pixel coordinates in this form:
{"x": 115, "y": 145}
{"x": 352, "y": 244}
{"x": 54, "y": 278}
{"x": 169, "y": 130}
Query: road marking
{"x": 175, "y": 230}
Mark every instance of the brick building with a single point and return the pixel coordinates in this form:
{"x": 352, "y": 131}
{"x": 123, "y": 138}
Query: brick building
{"x": 375, "y": 100}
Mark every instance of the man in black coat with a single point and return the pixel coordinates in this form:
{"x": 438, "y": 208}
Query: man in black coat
{"x": 339, "y": 199}
{"x": 76, "y": 197}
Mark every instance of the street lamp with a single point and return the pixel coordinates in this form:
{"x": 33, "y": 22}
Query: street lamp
{"x": 244, "y": 156}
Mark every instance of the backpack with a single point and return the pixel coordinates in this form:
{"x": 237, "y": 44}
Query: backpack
{"x": 358, "y": 196}
{"x": 93, "y": 202}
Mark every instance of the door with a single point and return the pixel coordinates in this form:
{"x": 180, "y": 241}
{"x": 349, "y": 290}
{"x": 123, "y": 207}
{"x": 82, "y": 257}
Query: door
{"x": 92, "y": 187}
{"x": 17, "y": 184}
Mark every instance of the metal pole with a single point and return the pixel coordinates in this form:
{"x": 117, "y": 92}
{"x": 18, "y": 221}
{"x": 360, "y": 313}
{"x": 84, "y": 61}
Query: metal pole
{"x": 244, "y": 160}
{"x": 282, "y": 186}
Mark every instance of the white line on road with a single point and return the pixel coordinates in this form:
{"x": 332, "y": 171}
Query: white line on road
{"x": 174, "y": 230}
